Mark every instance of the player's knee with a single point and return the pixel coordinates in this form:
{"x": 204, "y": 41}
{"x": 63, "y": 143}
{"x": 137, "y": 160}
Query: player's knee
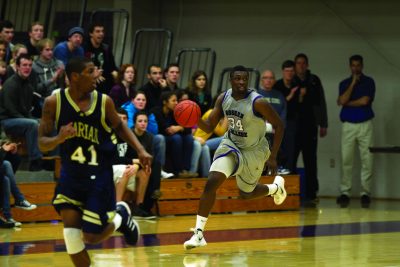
{"x": 91, "y": 239}
{"x": 214, "y": 181}
{"x": 73, "y": 240}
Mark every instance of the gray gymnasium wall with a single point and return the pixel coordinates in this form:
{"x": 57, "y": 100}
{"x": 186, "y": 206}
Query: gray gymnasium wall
{"x": 263, "y": 34}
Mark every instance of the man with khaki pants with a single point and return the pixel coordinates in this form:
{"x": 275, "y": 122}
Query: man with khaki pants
{"x": 356, "y": 95}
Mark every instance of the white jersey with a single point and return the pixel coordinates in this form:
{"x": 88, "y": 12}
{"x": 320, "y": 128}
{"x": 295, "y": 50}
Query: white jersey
{"x": 246, "y": 128}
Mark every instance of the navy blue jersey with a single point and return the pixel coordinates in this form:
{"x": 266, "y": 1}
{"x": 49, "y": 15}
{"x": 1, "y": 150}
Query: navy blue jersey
{"x": 89, "y": 154}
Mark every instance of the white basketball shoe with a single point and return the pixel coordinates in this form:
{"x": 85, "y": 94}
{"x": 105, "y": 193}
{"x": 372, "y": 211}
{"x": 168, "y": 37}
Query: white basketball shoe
{"x": 280, "y": 194}
{"x": 197, "y": 240}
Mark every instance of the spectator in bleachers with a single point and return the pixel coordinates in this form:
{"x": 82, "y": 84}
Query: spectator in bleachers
{"x": 7, "y": 35}
{"x": 276, "y": 99}
{"x": 3, "y": 50}
{"x": 15, "y": 109}
{"x": 124, "y": 90}
{"x": 36, "y": 33}
{"x": 179, "y": 140}
{"x": 154, "y": 87}
{"x": 139, "y": 103}
{"x": 102, "y": 57}
{"x": 9, "y": 185}
{"x": 49, "y": 70}
{"x": 66, "y": 50}
{"x": 289, "y": 88}
{"x": 182, "y": 94}
{"x": 172, "y": 74}
{"x": 17, "y": 50}
{"x": 199, "y": 90}
{"x": 153, "y": 187}
{"x": 128, "y": 174}
{"x": 3, "y": 64}
{"x": 3, "y": 71}
{"x": 311, "y": 116}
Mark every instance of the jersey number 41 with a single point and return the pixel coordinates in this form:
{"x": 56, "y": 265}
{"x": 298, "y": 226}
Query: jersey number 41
{"x": 80, "y": 157}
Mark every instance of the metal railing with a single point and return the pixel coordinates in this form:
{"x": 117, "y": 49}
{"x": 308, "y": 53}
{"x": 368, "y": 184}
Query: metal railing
{"x": 116, "y": 30}
{"x": 154, "y": 45}
{"x": 193, "y": 59}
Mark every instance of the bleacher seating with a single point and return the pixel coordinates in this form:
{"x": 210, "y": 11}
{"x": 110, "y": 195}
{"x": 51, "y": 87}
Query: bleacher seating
{"x": 40, "y": 194}
{"x": 179, "y": 196}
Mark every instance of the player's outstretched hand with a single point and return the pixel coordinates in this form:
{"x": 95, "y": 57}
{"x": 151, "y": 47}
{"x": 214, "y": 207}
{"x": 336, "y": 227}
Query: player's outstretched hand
{"x": 145, "y": 159}
{"x": 272, "y": 166}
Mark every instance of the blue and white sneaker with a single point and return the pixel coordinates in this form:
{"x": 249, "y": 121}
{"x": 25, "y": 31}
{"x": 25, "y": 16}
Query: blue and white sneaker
{"x": 283, "y": 171}
{"x": 197, "y": 240}
{"x": 129, "y": 227}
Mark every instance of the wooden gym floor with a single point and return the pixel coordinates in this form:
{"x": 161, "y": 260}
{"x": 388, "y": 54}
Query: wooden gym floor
{"x": 321, "y": 236}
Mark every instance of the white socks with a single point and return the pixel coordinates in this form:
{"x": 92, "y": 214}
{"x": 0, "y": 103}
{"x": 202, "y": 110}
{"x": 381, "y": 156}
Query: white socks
{"x": 201, "y": 222}
{"x": 272, "y": 189}
{"x": 117, "y": 220}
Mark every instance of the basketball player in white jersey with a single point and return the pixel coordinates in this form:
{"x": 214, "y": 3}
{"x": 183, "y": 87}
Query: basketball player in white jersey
{"x": 243, "y": 151}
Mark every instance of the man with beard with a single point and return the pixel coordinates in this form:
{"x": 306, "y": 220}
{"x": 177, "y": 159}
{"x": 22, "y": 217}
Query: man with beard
{"x": 154, "y": 87}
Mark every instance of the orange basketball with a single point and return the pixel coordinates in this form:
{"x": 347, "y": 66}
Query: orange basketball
{"x": 187, "y": 113}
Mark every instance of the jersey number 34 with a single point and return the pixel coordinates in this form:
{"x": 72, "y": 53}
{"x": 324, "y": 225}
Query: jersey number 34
{"x": 235, "y": 125}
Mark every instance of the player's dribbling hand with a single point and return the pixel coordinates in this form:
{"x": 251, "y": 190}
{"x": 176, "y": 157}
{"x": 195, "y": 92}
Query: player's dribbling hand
{"x": 145, "y": 159}
{"x": 272, "y": 166}
{"x": 66, "y": 131}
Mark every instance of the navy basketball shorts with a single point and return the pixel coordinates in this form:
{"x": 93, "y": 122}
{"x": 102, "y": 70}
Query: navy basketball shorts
{"x": 93, "y": 198}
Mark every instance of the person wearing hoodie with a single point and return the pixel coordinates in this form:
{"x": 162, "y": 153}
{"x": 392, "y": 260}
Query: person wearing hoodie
{"x": 312, "y": 118}
{"x": 16, "y": 110}
{"x": 49, "y": 70}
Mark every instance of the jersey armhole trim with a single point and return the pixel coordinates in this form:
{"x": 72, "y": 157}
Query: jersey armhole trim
{"x": 252, "y": 107}
{"x": 58, "y": 106}
{"x": 223, "y": 99}
{"x": 103, "y": 114}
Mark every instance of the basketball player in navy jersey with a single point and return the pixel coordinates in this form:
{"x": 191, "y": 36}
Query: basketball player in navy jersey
{"x": 243, "y": 150}
{"x": 85, "y": 194}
